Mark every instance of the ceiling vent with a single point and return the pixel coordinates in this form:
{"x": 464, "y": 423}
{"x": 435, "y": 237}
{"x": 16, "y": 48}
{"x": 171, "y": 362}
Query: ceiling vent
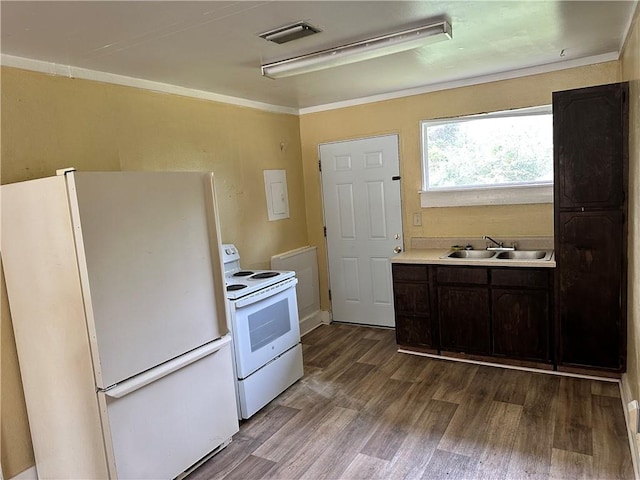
{"x": 290, "y": 32}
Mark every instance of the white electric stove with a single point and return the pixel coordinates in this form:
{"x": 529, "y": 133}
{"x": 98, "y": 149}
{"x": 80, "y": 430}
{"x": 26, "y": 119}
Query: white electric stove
{"x": 263, "y": 319}
{"x": 241, "y": 282}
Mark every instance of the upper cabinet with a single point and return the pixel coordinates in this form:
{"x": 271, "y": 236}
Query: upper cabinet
{"x": 590, "y": 131}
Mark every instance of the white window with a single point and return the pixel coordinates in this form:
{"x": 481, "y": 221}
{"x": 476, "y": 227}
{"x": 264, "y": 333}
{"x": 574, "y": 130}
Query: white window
{"x": 494, "y": 158}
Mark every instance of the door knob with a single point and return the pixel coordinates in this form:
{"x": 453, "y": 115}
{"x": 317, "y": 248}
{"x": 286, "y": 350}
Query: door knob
{"x": 397, "y": 249}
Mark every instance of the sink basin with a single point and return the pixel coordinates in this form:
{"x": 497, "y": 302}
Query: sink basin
{"x": 471, "y": 254}
{"x": 525, "y": 255}
{"x": 515, "y": 255}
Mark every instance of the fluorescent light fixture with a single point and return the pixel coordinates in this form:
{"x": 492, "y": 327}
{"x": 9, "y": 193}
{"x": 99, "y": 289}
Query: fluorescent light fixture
{"x": 290, "y": 32}
{"x": 358, "y": 51}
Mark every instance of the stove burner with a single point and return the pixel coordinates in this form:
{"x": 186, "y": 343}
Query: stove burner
{"x": 235, "y": 286}
{"x": 243, "y": 273}
{"x": 258, "y": 276}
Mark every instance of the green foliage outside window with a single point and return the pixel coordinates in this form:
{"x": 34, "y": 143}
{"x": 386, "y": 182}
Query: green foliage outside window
{"x": 489, "y": 151}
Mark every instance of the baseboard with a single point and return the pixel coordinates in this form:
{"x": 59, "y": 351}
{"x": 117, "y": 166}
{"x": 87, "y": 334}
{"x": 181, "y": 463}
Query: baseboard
{"x": 29, "y": 474}
{"x": 625, "y": 394}
{"x": 313, "y": 321}
{"x": 508, "y": 366}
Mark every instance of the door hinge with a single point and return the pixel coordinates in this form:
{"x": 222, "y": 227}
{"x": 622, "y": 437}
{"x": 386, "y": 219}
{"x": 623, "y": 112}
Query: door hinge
{"x": 325, "y": 231}
{"x": 329, "y": 294}
{"x": 396, "y": 177}
{"x": 320, "y": 165}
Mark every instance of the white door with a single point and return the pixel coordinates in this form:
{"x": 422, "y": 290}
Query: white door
{"x": 361, "y": 194}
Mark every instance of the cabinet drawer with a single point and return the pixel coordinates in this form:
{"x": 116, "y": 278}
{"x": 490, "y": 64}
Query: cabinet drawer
{"x": 410, "y": 272}
{"x": 465, "y": 275}
{"x": 513, "y": 277}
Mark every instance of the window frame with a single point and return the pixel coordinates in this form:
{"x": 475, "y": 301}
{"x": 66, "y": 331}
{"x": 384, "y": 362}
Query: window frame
{"x": 511, "y": 193}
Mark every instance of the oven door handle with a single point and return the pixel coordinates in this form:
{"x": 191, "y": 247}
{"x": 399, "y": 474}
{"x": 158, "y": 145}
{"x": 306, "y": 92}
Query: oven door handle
{"x": 266, "y": 292}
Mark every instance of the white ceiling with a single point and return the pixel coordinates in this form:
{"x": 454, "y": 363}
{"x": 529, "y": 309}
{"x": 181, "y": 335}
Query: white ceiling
{"x": 213, "y": 46}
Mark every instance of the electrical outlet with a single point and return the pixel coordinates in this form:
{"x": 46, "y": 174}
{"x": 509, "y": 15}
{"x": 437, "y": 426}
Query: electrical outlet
{"x": 417, "y": 219}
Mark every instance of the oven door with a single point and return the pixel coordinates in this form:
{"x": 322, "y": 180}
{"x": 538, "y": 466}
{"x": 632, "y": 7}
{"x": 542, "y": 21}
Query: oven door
{"x": 264, "y": 325}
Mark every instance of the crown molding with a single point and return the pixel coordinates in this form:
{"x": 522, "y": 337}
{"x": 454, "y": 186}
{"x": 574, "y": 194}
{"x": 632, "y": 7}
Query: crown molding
{"x": 86, "y": 74}
{"x": 69, "y": 71}
{"x": 466, "y": 82}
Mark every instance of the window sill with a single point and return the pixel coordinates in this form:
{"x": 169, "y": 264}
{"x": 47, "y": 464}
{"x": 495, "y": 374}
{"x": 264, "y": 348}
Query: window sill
{"x": 515, "y": 195}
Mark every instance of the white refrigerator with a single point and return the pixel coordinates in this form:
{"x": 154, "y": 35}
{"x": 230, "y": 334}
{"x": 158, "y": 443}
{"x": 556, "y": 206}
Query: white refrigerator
{"x": 116, "y": 291}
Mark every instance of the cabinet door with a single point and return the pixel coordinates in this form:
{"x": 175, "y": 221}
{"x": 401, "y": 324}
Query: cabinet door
{"x": 411, "y": 298}
{"x": 412, "y": 303}
{"x": 464, "y": 319}
{"x": 590, "y": 292}
{"x": 521, "y": 323}
{"x": 589, "y": 131}
{"x": 413, "y": 316}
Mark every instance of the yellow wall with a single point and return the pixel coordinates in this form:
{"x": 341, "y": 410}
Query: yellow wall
{"x": 52, "y": 122}
{"x": 402, "y": 116}
{"x": 630, "y": 65}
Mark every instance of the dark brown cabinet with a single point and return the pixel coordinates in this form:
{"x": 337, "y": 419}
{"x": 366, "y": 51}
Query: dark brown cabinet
{"x": 412, "y": 298}
{"x": 463, "y": 309}
{"x": 520, "y": 301}
{"x": 591, "y": 176}
{"x": 589, "y": 137}
{"x": 464, "y": 319}
{"x": 477, "y": 311}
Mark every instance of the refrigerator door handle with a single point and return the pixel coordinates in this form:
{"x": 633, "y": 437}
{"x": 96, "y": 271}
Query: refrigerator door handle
{"x": 124, "y": 388}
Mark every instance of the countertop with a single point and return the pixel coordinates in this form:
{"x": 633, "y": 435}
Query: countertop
{"x": 432, "y": 256}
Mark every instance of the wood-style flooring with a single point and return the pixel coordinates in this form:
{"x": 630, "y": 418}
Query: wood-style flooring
{"x": 365, "y": 411}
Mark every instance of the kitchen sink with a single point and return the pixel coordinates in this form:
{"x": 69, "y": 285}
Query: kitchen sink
{"x": 502, "y": 255}
{"x": 471, "y": 254}
{"x": 525, "y": 255}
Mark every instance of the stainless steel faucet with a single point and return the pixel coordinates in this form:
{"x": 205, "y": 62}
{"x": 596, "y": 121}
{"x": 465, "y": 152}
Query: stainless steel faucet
{"x": 499, "y": 245}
